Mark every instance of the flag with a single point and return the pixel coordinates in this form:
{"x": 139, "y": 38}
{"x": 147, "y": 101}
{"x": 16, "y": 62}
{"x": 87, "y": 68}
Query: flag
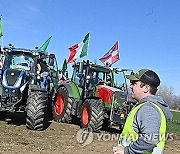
{"x": 111, "y": 56}
{"x": 43, "y": 48}
{"x": 64, "y": 67}
{"x": 79, "y": 50}
{"x": 106, "y": 93}
{"x": 1, "y": 27}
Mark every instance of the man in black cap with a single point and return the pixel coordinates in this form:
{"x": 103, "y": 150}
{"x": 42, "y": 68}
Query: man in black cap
{"x": 145, "y": 127}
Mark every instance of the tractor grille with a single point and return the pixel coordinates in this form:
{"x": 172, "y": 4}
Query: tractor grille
{"x": 12, "y": 76}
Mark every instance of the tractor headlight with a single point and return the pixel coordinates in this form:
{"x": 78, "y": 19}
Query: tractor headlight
{"x": 88, "y": 77}
{"x": 38, "y": 77}
{"x": 35, "y": 53}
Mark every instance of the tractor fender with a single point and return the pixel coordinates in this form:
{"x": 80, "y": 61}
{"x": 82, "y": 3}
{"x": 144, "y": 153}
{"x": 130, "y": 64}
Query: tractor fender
{"x": 72, "y": 89}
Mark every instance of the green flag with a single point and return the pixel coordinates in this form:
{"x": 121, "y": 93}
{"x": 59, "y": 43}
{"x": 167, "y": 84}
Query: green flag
{"x": 85, "y": 46}
{"x": 64, "y": 67}
{"x": 1, "y": 27}
{"x": 43, "y": 48}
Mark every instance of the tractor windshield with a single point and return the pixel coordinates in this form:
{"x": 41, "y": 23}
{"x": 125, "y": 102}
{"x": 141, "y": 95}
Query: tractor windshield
{"x": 18, "y": 60}
{"x": 95, "y": 74}
{"x": 120, "y": 80}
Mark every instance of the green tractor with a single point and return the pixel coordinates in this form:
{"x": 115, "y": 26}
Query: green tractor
{"x": 21, "y": 90}
{"x": 93, "y": 96}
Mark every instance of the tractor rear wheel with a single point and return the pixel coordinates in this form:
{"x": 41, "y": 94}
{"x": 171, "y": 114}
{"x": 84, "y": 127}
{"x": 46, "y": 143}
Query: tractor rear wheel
{"x": 36, "y": 118}
{"x": 62, "y": 106}
{"x": 92, "y": 114}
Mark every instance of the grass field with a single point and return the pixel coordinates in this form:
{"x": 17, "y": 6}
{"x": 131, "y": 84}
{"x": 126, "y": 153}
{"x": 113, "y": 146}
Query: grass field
{"x": 173, "y": 146}
{"x": 174, "y": 125}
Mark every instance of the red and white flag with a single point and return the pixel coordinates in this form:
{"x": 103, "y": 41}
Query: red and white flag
{"x": 111, "y": 56}
{"x": 106, "y": 93}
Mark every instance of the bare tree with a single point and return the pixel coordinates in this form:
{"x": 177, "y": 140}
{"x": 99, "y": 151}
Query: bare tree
{"x": 167, "y": 93}
{"x": 169, "y": 96}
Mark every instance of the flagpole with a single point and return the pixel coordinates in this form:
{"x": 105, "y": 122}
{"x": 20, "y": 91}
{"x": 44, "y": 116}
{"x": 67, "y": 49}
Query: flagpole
{"x": 118, "y": 44}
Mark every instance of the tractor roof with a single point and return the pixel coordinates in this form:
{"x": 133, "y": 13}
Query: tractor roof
{"x": 94, "y": 66}
{"x": 9, "y": 49}
{"x": 22, "y": 50}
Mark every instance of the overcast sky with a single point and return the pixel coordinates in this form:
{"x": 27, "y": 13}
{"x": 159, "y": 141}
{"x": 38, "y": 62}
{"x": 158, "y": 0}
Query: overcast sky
{"x": 148, "y": 31}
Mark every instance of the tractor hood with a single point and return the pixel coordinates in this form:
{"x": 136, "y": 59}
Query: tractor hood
{"x": 107, "y": 94}
{"x": 13, "y": 78}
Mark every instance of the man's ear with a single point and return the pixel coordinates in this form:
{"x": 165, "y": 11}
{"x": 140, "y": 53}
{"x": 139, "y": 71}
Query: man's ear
{"x": 146, "y": 88}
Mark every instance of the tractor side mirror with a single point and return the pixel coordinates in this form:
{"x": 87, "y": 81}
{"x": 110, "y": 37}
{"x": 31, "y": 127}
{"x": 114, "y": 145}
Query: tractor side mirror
{"x": 51, "y": 61}
{"x": 80, "y": 67}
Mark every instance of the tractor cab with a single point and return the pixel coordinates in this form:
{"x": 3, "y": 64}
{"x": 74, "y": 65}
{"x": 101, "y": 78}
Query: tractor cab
{"x": 87, "y": 76}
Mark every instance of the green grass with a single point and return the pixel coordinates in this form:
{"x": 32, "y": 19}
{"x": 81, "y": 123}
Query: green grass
{"x": 174, "y": 125}
{"x": 176, "y": 115}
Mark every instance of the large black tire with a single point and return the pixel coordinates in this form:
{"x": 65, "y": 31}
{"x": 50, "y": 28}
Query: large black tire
{"x": 36, "y": 118}
{"x": 62, "y": 106}
{"x": 92, "y": 115}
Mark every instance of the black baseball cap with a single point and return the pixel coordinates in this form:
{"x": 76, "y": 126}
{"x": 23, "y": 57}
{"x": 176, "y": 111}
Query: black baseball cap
{"x": 146, "y": 76}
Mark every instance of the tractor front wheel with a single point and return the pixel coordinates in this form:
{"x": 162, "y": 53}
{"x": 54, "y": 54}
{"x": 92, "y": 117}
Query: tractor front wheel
{"x": 92, "y": 114}
{"x": 36, "y": 118}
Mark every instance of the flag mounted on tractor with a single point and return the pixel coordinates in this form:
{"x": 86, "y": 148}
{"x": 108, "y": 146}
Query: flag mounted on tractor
{"x": 64, "y": 67}
{"x": 79, "y": 50}
{"x": 1, "y": 27}
{"x": 44, "y": 47}
{"x": 111, "y": 56}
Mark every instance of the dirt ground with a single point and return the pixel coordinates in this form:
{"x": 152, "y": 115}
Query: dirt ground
{"x": 60, "y": 138}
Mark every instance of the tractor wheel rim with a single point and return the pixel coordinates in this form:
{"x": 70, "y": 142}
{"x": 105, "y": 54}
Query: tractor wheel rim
{"x": 59, "y": 104}
{"x": 85, "y": 116}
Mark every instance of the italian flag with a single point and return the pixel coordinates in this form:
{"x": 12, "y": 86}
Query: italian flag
{"x": 79, "y": 50}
